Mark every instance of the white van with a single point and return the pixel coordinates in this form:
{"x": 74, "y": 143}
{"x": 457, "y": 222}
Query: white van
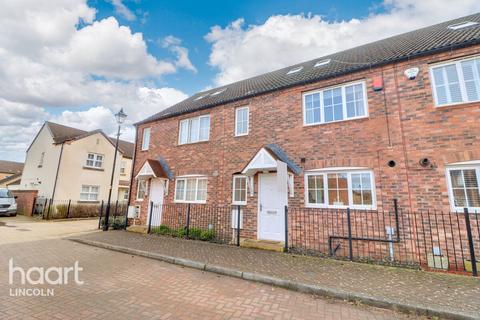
{"x": 8, "y": 205}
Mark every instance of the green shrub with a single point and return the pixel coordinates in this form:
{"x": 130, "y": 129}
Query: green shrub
{"x": 180, "y": 233}
{"x": 207, "y": 235}
{"x": 195, "y": 233}
{"x": 162, "y": 229}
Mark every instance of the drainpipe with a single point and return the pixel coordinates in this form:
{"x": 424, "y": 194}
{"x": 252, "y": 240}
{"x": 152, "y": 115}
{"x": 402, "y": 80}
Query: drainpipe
{"x": 132, "y": 169}
{"x": 56, "y": 175}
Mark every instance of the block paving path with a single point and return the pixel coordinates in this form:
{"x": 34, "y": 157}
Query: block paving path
{"x": 452, "y": 293}
{"x": 122, "y": 286}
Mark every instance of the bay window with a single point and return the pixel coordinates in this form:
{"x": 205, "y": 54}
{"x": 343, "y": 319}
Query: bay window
{"x": 340, "y": 189}
{"x": 335, "y": 104}
{"x": 191, "y": 189}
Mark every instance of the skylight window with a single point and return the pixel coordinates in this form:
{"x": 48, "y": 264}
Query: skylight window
{"x": 200, "y": 97}
{"x": 218, "y": 92}
{"x": 322, "y": 63}
{"x": 461, "y": 25}
{"x": 295, "y": 70}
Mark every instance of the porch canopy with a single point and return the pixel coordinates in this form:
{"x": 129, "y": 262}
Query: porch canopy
{"x": 269, "y": 158}
{"x": 154, "y": 169}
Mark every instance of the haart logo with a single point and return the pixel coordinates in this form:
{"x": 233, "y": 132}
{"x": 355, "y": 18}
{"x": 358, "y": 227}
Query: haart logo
{"x": 41, "y": 276}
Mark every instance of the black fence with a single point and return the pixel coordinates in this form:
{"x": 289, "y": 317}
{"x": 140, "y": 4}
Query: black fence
{"x": 49, "y": 209}
{"x": 196, "y": 221}
{"x": 434, "y": 240}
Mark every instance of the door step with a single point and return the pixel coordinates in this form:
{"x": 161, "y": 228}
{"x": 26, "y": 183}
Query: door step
{"x": 137, "y": 229}
{"x": 270, "y": 245}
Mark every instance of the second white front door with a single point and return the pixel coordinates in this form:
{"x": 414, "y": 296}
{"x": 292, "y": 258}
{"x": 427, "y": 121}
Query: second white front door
{"x": 157, "y": 188}
{"x": 271, "y": 208}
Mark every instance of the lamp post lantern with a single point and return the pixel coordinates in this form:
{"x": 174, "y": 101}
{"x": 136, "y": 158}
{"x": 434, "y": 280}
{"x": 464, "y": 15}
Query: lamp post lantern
{"x": 120, "y": 117}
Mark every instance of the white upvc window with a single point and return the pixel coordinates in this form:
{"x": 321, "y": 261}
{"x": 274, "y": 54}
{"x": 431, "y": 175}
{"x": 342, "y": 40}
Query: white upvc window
{"x": 42, "y": 157}
{"x": 456, "y": 82}
{"x": 242, "y": 121}
{"x": 94, "y": 160}
{"x": 239, "y": 195}
{"x": 125, "y": 195}
{"x": 194, "y": 130}
{"x": 141, "y": 189}
{"x": 463, "y": 187}
{"x": 123, "y": 166}
{"x": 89, "y": 193}
{"x": 340, "y": 189}
{"x": 345, "y": 102}
{"x": 191, "y": 189}
{"x": 146, "y": 139}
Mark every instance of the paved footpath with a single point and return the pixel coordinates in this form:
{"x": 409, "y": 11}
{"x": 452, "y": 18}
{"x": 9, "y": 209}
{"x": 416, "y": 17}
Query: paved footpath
{"x": 454, "y": 294}
{"x": 122, "y": 286}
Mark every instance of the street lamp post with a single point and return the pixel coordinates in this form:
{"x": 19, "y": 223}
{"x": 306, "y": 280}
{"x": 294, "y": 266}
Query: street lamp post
{"x": 120, "y": 117}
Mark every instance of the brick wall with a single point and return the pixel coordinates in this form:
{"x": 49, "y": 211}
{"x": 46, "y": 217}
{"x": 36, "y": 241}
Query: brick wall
{"x": 25, "y": 201}
{"x": 403, "y": 125}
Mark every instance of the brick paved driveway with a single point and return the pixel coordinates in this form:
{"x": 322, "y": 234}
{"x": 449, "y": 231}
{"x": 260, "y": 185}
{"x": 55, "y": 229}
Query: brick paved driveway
{"x": 120, "y": 286}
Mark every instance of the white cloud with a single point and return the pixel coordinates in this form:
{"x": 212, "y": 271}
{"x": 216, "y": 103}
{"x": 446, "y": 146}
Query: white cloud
{"x": 53, "y": 53}
{"x": 183, "y": 61}
{"x": 240, "y": 51}
{"x": 122, "y": 10}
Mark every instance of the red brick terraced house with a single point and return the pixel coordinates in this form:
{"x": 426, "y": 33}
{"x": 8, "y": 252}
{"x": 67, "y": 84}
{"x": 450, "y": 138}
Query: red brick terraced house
{"x": 398, "y": 119}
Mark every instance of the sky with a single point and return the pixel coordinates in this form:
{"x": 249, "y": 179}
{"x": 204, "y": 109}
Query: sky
{"x": 77, "y": 62}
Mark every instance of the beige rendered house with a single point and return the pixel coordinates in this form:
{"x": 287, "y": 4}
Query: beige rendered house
{"x": 10, "y": 173}
{"x": 66, "y": 163}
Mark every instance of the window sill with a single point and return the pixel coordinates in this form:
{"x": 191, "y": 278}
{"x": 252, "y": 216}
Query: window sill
{"x": 192, "y": 143}
{"x": 190, "y": 202}
{"x": 336, "y": 121}
{"x": 239, "y": 203}
{"x": 458, "y": 104}
{"x": 241, "y": 135}
{"x": 88, "y": 201}
{"x": 313, "y": 206}
{"x": 93, "y": 168}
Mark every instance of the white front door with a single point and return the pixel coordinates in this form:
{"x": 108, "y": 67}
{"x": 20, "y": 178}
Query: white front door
{"x": 271, "y": 208}
{"x": 157, "y": 188}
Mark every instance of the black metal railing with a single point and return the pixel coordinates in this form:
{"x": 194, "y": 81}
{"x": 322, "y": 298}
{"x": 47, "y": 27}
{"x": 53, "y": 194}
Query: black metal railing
{"x": 435, "y": 240}
{"x": 430, "y": 239}
{"x": 196, "y": 221}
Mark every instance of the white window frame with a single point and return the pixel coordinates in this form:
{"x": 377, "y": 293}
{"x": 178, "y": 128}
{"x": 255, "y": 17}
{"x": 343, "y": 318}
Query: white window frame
{"x": 344, "y": 103}
{"x": 146, "y": 139}
{"x": 42, "y": 157}
{"x": 89, "y": 193}
{"x": 94, "y": 160}
{"x": 123, "y": 166}
{"x": 349, "y": 172}
{"x": 125, "y": 195}
{"x": 475, "y": 166}
{"x": 236, "y": 121}
{"x": 185, "y": 178}
{"x": 463, "y": 90}
{"x": 235, "y": 177}
{"x": 189, "y": 128}
{"x": 138, "y": 189}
